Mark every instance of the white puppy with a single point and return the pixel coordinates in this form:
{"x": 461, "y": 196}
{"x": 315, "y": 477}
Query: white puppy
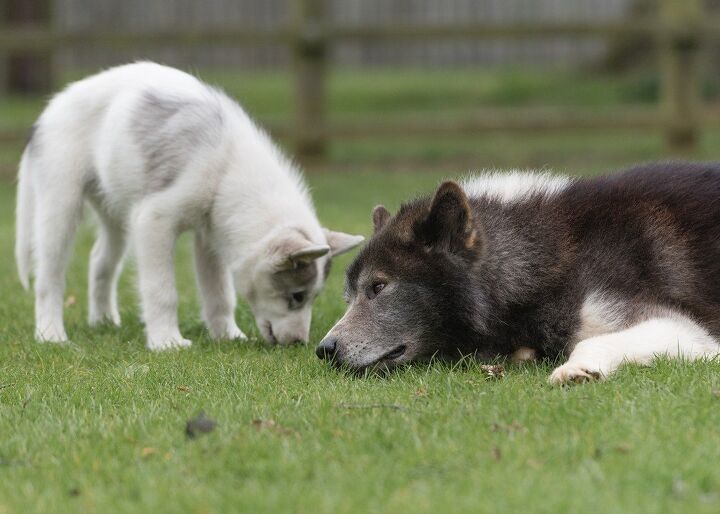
{"x": 157, "y": 152}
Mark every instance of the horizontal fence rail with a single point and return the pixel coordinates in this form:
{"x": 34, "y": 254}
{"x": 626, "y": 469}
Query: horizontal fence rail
{"x": 38, "y": 38}
{"x": 678, "y": 33}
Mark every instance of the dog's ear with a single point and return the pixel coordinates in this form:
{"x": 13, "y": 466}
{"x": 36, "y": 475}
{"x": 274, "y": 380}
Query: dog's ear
{"x": 448, "y": 225}
{"x": 380, "y": 216}
{"x": 294, "y": 249}
{"x": 340, "y": 242}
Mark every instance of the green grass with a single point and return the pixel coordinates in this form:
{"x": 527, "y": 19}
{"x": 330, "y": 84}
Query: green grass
{"x": 98, "y": 426}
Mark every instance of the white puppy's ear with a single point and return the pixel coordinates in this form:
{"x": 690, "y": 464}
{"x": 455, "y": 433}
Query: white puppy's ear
{"x": 309, "y": 253}
{"x": 341, "y": 242}
{"x": 293, "y": 248}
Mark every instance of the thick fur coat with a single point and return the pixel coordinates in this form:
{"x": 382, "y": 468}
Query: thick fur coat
{"x": 603, "y": 270}
{"x": 157, "y": 152}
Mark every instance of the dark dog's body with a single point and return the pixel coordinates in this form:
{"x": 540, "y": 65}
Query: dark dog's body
{"x": 543, "y": 263}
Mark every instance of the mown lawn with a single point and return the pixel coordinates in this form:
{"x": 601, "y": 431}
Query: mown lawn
{"x": 99, "y": 425}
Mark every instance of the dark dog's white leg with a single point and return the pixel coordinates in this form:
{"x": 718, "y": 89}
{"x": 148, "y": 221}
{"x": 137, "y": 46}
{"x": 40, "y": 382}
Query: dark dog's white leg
{"x": 155, "y": 232}
{"x": 598, "y": 357}
{"x": 217, "y": 292}
{"x": 105, "y": 264}
{"x": 57, "y": 216}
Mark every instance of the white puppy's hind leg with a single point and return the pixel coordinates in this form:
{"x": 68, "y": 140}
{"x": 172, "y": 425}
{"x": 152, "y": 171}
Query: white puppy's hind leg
{"x": 598, "y": 357}
{"x": 155, "y": 231}
{"x": 217, "y": 292}
{"x": 57, "y": 216}
{"x": 105, "y": 264}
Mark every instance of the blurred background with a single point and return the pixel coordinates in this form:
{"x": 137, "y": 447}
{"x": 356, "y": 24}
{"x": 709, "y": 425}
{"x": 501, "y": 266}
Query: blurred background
{"x": 575, "y": 85}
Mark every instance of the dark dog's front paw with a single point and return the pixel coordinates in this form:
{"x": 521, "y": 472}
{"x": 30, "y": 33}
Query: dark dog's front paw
{"x": 576, "y": 372}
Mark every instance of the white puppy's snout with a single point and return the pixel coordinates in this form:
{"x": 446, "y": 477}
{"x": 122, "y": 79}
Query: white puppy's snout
{"x": 293, "y": 337}
{"x": 284, "y": 333}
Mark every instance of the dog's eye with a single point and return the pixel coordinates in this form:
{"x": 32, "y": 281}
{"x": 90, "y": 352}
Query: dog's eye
{"x": 297, "y": 299}
{"x": 376, "y": 288}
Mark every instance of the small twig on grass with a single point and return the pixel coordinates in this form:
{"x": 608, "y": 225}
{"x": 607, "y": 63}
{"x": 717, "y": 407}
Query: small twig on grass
{"x": 25, "y": 403}
{"x": 393, "y": 406}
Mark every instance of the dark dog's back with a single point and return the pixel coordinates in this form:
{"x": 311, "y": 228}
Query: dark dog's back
{"x": 651, "y": 233}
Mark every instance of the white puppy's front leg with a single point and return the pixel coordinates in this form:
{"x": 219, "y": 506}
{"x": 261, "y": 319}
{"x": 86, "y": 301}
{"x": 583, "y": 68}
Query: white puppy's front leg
{"x": 155, "y": 232}
{"x": 598, "y": 357}
{"x": 217, "y": 291}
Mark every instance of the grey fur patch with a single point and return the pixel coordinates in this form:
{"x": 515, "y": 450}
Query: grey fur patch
{"x": 292, "y": 280}
{"x": 169, "y": 130}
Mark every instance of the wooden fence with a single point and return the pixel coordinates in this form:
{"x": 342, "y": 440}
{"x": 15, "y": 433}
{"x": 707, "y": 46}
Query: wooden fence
{"x": 680, "y": 31}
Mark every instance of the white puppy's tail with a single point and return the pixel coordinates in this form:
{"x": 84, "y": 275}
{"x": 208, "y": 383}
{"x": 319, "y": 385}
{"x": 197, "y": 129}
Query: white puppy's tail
{"x": 24, "y": 221}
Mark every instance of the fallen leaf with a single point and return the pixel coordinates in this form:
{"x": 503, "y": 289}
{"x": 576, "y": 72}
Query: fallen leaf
{"x": 184, "y": 389}
{"x": 70, "y": 301}
{"x": 623, "y": 448}
{"x": 269, "y": 424}
{"x": 493, "y": 370}
{"x": 199, "y": 425}
{"x": 421, "y": 392}
{"x": 496, "y": 453}
{"x": 512, "y": 427}
{"x": 148, "y": 452}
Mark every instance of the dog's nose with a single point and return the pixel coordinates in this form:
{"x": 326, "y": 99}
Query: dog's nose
{"x": 326, "y": 348}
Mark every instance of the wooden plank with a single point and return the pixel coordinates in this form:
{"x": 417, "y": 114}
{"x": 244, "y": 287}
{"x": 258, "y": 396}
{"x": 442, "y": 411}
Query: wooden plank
{"x": 310, "y": 51}
{"x": 27, "y": 70}
{"x": 37, "y": 38}
{"x": 477, "y": 123}
{"x": 479, "y": 30}
{"x": 680, "y": 89}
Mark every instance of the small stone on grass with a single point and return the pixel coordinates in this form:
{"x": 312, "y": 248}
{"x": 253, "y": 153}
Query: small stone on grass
{"x": 199, "y": 425}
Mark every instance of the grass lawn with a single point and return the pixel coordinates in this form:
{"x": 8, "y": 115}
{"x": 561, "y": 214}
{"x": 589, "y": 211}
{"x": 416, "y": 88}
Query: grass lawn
{"x": 99, "y": 426}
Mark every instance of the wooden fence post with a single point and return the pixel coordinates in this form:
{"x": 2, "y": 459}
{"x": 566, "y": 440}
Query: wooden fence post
{"x": 27, "y": 72}
{"x": 680, "y": 82}
{"x": 310, "y": 59}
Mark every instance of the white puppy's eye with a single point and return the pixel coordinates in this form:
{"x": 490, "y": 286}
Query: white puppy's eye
{"x": 297, "y": 299}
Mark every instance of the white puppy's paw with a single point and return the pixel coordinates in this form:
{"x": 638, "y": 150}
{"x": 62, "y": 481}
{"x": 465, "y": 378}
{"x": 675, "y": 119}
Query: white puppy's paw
{"x": 228, "y": 330}
{"x": 167, "y": 342}
{"x": 51, "y": 334}
{"x": 236, "y": 334}
{"x": 576, "y": 372}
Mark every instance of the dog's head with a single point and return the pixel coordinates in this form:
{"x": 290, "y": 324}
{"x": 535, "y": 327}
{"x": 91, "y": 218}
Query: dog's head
{"x": 407, "y": 290}
{"x": 286, "y": 277}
